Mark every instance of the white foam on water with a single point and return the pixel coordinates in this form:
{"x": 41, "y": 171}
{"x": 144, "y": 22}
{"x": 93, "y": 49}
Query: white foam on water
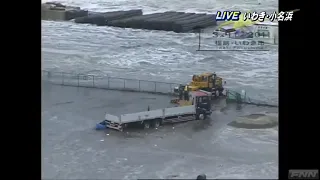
{"x": 254, "y": 171}
{"x": 250, "y": 136}
{"x": 164, "y": 55}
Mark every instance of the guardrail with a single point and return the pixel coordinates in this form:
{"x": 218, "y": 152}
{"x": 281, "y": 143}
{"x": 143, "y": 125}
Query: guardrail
{"x": 107, "y": 82}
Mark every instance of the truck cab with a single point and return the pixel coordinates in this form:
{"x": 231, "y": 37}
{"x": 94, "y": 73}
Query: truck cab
{"x": 202, "y": 102}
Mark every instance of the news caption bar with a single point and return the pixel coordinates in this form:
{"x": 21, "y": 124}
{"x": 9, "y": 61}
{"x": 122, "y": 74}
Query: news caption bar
{"x": 254, "y": 16}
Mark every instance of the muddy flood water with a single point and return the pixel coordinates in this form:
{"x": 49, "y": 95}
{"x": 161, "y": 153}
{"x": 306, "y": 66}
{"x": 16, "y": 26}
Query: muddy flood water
{"x": 72, "y": 148}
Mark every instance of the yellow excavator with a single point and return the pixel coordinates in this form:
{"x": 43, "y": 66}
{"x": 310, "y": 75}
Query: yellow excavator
{"x": 208, "y": 82}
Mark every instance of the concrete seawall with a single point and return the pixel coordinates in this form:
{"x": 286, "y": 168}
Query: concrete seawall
{"x": 179, "y": 22}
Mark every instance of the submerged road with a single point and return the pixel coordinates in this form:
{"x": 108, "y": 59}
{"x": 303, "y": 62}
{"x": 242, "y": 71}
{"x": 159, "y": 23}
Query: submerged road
{"x": 72, "y": 149}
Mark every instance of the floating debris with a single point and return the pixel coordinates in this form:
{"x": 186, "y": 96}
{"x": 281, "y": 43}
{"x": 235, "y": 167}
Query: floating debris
{"x": 172, "y": 176}
{"x": 102, "y": 140}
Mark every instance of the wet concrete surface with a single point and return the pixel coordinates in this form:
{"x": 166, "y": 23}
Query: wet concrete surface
{"x": 72, "y": 149}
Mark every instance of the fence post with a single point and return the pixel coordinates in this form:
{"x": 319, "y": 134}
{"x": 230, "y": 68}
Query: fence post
{"x": 155, "y": 86}
{"x": 139, "y": 86}
{"x": 78, "y": 79}
{"x": 171, "y": 88}
{"x": 93, "y": 81}
{"x": 62, "y": 78}
{"x": 108, "y": 82}
{"x": 124, "y": 83}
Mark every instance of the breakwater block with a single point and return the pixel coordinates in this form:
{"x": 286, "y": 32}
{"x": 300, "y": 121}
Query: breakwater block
{"x": 101, "y": 19}
{"x": 60, "y": 12}
{"x": 179, "y": 22}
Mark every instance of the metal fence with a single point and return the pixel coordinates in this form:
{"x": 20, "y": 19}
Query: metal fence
{"x": 134, "y": 85}
{"x": 107, "y": 82}
{"x": 242, "y": 98}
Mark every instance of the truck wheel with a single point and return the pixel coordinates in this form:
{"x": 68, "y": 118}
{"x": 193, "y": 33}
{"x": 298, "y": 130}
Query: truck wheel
{"x": 202, "y": 116}
{"x": 146, "y": 124}
{"x": 124, "y": 126}
{"x": 197, "y": 116}
{"x": 156, "y": 123}
{"x": 205, "y": 116}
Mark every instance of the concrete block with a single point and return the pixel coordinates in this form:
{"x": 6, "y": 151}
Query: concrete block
{"x": 57, "y": 15}
{"x": 103, "y": 18}
{"x": 59, "y": 12}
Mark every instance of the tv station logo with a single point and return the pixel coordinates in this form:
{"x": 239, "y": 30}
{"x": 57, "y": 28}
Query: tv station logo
{"x": 254, "y": 16}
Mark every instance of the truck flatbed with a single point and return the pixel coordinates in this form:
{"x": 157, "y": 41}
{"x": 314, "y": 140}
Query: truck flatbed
{"x": 154, "y": 117}
{"x": 200, "y": 109}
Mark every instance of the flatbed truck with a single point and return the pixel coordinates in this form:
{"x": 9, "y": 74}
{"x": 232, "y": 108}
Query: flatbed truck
{"x": 199, "y": 109}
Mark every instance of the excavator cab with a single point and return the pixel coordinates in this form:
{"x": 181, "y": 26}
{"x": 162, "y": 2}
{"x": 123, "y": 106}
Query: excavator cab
{"x": 207, "y": 81}
{"x": 202, "y": 81}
